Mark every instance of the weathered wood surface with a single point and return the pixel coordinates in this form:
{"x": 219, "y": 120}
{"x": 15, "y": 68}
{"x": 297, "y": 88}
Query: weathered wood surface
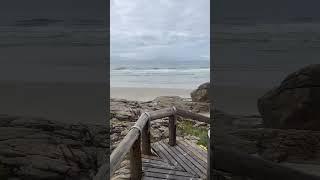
{"x": 135, "y": 160}
{"x": 182, "y": 157}
{"x": 172, "y": 130}
{"x": 146, "y": 139}
{"x": 191, "y": 115}
{"x": 240, "y": 164}
{"x": 141, "y": 129}
{"x": 117, "y": 156}
{"x": 162, "y": 113}
{"x": 164, "y": 166}
{"x": 123, "y": 148}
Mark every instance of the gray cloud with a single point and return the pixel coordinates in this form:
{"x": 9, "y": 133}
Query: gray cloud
{"x": 161, "y": 29}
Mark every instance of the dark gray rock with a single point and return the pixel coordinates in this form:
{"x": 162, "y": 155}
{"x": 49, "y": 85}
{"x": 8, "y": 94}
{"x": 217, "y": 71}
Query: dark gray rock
{"x": 201, "y": 94}
{"x": 35, "y": 148}
{"x": 295, "y": 104}
{"x": 280, "y": 145}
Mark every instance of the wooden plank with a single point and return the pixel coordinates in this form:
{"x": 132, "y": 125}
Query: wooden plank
{"x": 200, "y": 158}
{"x": 158, "y": 161}
{"x": 193, "y": 159}
{"x": 135, "y": 161}
{"x": 151, "y": 157}
{"x": 187, "y": 143}
{"x": 152, "y": 165}
{"x": 166, "y": 171}
{"x": 179, "y": 158}
{"x": 192, "y": 163}
{"x": 200, "y": 155}
{"x": 163, "y": 164}
{"x": 168, "y": 176}
{"x": 197, "y": 148}
{"x": 172, "y": 130}
{"x": 165, "y": 155}
{"x": 152, "y": 178}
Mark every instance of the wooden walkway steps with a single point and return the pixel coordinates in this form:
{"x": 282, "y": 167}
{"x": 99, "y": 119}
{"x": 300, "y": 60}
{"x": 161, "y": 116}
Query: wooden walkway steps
{"x": 185, "y": 160}
{"x": 172, "y": 158}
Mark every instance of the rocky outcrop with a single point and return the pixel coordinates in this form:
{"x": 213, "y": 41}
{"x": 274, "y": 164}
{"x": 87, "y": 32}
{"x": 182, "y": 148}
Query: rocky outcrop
{"x": 201, "y": 94}
{"x": 124, "y": 110}
{"x": 295, "y": 104}
{"x": 34, "y": 148}
{"x": 124, "y": 113}
{"x": 246, "y": 134}
{"x": 278, "y": 145}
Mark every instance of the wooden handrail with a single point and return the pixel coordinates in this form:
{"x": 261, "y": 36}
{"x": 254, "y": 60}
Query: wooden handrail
{"x": 140, "y": 129}
{"x": 191, "y": 115}
{"x": 125, "y": 145}
{"x": 225, "y": 160}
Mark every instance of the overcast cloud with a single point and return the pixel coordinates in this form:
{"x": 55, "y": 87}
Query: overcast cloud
{"x": 160, "y": 29}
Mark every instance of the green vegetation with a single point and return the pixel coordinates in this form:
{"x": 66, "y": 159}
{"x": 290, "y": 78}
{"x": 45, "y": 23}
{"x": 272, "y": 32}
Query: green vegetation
{"x": 187, "y": 128}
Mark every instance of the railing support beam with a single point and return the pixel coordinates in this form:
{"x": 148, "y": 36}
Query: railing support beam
{"x": 146, "y": 145}
{"x": 135, "y": 161}
{"x": 172, "y": 130}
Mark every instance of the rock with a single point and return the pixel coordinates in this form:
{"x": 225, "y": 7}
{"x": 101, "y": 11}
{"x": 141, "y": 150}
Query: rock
{"x": 200, "y": 124}
{"x": 295, "y": 103}
{"x": 35, "y": 148}
{"x": 183, "y": 103}
{"x": 201, "y": 94}
{"x": 124, "y": 114}
{"x": 168, "y": 101}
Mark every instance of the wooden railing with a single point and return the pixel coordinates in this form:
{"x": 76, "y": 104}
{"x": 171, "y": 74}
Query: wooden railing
{"x": 226, "y": 162}
{"x": 137, "y": 141}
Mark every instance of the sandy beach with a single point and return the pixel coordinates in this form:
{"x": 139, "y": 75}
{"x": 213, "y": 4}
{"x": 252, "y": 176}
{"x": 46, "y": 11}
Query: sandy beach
{"x": 234, "y": 100}
{"x": 146, "y": 94}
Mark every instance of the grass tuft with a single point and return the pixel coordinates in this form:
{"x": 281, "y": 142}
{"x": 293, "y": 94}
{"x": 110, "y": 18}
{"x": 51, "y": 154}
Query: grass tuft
{"x": 187, "y": 128}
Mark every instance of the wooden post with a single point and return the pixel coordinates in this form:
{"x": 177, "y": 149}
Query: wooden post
{"x": 146, "y": 145}
{"x": 135, "y": 161}
{"x": 208, "y": 156}
{"x": 172, "y": 130}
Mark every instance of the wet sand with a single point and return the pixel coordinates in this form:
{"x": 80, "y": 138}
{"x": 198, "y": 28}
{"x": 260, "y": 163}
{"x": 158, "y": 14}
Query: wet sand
{"x": 234, "y": 100}
{"x": 146, "y": 94}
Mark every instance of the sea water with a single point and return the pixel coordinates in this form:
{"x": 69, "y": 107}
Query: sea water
{"x": 181, "y": 74}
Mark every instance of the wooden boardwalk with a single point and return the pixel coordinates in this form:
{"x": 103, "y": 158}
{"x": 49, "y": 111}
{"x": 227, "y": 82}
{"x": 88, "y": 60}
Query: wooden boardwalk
{"x": 185, "y": 160}
{"x": 173, "y": 158}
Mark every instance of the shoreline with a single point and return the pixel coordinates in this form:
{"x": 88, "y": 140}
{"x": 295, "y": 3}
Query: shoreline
{"x": 146, "y": 94}
{"x": 230, "y": 99}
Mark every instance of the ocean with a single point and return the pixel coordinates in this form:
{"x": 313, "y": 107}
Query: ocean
{"x": 177, "y": 74}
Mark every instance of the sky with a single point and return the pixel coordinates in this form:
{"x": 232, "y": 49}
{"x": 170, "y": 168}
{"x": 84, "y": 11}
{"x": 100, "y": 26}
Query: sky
{"x": 160, "y": 30}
